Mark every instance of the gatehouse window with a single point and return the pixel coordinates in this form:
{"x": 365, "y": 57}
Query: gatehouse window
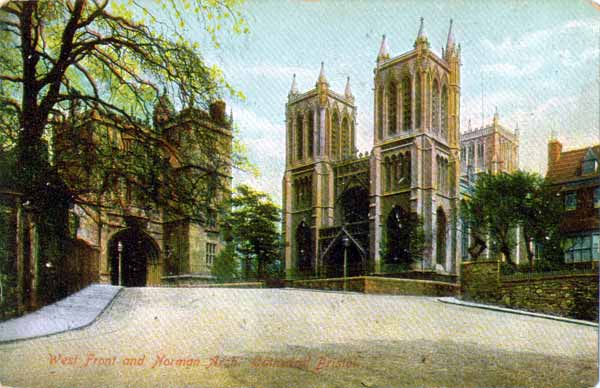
{"x": 211, "y": 251}
{"x": 597, "y": 197}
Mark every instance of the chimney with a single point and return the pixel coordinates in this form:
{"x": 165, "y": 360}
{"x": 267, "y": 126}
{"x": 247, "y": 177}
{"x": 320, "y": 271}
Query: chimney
{"x": 554, "y": 150}
{"x": 217, "y": 111}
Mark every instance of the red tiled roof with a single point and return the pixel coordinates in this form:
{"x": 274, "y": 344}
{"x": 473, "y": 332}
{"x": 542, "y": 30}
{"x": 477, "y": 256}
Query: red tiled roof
{"x": 568, "y": 166}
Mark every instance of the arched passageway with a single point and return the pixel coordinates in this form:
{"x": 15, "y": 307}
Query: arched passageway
{"x": 131, "y": 251}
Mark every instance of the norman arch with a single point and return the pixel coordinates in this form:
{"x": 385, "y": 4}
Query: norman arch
{"x": 131, "y": 253}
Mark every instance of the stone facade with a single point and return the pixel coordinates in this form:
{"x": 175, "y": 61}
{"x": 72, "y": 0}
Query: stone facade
{"x": 341, "y": 206}
{"x": 138, "y": 245}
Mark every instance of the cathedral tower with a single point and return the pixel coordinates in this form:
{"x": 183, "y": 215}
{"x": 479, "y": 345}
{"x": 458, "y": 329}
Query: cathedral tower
{"x": 320, "y": 131}
{"x": 415, "y": 168}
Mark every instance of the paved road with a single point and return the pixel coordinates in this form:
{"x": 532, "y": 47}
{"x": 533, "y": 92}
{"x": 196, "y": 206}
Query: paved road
{"x": 203, "y": 337}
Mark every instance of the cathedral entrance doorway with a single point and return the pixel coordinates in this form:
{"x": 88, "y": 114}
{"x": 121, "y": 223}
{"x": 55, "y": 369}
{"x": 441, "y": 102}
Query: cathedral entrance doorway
{"x": 130, "y": 252}
{"x": 346, "y": 252}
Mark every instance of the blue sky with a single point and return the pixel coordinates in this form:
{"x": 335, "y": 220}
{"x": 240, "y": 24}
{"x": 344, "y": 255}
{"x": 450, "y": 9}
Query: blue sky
{"x": 538, "y": 61}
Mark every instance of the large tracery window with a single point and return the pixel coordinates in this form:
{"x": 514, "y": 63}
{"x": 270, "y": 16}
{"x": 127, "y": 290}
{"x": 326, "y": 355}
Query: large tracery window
{"x": 406, "y": 103}
{"x": 392, "y": 108}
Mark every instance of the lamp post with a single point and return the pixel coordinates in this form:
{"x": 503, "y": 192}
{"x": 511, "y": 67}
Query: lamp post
{"x": 346, "y": 243}
{"x": 120, "y": 251}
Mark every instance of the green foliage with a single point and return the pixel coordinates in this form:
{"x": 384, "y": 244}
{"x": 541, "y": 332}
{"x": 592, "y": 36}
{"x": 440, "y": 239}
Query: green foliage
{"x": 226, "y": 266}
{"x": 504, "y": 201}
{"x": 411, "y": 241}
{"x": 64, "y": 63}
{"x": 252, "y": 228}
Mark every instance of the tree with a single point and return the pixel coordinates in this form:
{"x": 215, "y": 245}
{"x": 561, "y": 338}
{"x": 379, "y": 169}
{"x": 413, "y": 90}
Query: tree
{"x": 252, "y": 229}
{"x": 226, "y": 266}
{"x": 58, "y": 58}
{"x": 502, "y": 202}
{"x": 404, "y": 242}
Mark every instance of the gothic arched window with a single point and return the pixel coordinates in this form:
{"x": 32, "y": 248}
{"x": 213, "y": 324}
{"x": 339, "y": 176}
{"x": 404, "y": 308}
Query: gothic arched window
{"x": 444, "y": 112}
{"x": 442, "y": 225}
{"x": 299, "y": 138}
{"x": 418, "y": 102}
{"x": 392, "y": 108}
{"x": 335, "y": 133}
{"x": 310, "y": 133}
{"x": 345, "y": 137}
{"x": 406, "y": 103}
{"x": 380, "y": 112}
{"x": 436, "y": 107}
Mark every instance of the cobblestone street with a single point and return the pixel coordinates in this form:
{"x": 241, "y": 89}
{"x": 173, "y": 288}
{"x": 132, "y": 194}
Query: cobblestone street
{"x": 202, "y": 337}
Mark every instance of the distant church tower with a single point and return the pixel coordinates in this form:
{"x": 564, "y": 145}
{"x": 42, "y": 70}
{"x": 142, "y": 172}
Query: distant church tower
{"x": 416, "y": 163}
{"x": 320, "y": 131}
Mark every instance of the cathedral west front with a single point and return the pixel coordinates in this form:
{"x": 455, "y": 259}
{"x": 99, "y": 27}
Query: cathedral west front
{"x": 347, "y": 213}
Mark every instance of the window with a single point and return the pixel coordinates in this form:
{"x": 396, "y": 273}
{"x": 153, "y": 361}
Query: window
{"x": 583, "y": 248}
{"x": 392, "y": 108}
{"x": 597, "y": 197}
{"x": 211, "y": 218}
{"x": 211, "y": 250}
{"x": 406, "y": 103}
{"x": 590, "y": 163}
{"x": 571, "y": 200}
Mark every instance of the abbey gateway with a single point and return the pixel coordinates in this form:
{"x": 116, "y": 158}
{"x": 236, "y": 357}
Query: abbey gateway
{"x": 362, "y": 209}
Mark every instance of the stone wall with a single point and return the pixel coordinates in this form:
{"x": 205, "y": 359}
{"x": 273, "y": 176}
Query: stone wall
{"x": 480, "y": 280}
{"x": 570, "y": 295}
{"x": 379, "y": 285}
{"x": 574, "y": 295}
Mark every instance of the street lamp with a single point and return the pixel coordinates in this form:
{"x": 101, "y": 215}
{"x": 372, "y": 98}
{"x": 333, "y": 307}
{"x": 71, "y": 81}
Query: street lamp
{"x": 120, "y": 251}
{"x": 346, "y": 243}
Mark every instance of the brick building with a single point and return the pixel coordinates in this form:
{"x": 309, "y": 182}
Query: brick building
{"x": 576, "y": 176}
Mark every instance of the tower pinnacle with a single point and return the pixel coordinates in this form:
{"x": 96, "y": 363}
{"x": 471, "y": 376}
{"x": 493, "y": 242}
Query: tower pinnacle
{"x": 322, "y": 78}
{"x": 348, "y": 91}
{"x": 383, "y": 51}
{"x": 294, "y": 88}
{"x": 451, "y": 41}
{"x": 421, "y": 35}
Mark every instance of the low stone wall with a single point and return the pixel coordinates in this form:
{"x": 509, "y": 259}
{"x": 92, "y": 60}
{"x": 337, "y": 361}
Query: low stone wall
{"x": 575, "y": 296}
{"x": 184, "y": 284}
{"x": 570, "y": 295}
{"x": 355, "y": 284}
{"x": 480, "y": 280}
{"x": 380, "y": 285}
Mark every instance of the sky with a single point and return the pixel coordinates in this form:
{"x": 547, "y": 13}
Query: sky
{"x": 536, "y": 62}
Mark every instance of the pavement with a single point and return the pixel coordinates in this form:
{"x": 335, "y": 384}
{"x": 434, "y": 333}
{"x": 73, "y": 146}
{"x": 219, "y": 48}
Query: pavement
{"x": 74, "y": 312}
{"x": 453, "y": 300}
{"x": 217, "y": 337}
